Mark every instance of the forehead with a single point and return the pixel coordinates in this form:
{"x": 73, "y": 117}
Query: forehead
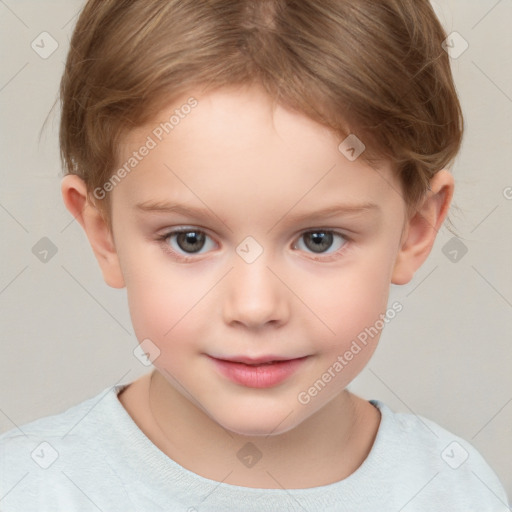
{"x": 236, "y": 119}
{"x": 238, "y": 141}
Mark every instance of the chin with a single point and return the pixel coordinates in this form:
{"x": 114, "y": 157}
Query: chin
{"x": 256, "y": 424}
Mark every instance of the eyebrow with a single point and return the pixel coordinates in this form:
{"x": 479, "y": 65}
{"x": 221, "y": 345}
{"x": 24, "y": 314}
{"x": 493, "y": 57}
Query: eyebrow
{"x": 191, "y": 211}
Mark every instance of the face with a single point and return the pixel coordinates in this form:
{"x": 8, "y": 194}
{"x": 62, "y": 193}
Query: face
{"x": 245, "y": 234}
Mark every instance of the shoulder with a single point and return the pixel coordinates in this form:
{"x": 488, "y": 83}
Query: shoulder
{"x": 54, "y": 460}
{"x": 445, "y": 469}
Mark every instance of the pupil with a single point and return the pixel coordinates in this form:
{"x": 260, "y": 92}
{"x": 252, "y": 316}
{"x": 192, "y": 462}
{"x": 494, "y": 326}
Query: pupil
{"x": 190, "y": 239}
{"x": 321, "y": 241}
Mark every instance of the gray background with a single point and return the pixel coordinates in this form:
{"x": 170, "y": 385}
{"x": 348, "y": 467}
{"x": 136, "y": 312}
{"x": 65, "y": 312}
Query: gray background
{"x": 447, "y": 356}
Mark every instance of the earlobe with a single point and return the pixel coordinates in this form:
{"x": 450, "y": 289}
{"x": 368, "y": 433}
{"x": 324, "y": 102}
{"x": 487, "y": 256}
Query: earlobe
{"x": 422, "y": 228}
{"x": 74, "y": 194}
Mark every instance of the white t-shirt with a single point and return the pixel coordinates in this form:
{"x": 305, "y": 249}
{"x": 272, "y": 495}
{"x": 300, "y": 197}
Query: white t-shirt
{"x": 93, "y": 457}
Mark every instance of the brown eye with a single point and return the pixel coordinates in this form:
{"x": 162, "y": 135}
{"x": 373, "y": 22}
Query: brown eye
{"x": 190, "y": 241}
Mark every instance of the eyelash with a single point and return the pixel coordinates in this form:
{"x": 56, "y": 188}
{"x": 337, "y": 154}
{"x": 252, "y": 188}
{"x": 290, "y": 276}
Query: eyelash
{"x": 332, "y": 256}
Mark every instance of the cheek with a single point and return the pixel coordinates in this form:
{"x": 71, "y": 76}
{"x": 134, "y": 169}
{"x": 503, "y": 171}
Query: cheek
{"x": 347, "y": 301}
{"x": 157, "y": 294}
{"x": 169, "y": 307}
{"x": 158, "y": 308}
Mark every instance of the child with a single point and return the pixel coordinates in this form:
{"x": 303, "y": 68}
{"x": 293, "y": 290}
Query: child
{"x": 262, "y": 132}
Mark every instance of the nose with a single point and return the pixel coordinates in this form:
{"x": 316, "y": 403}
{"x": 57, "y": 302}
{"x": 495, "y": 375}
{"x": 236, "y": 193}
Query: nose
{"x": 254, "y": 296}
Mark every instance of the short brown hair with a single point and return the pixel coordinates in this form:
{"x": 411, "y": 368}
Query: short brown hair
{"x": 376, "y": 69}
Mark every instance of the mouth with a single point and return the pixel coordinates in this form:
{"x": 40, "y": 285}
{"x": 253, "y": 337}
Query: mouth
{"x": 257, "y": 361}
{"x": 261, "y": 372}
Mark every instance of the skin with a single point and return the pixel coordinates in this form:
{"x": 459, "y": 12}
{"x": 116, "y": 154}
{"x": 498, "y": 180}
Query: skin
{"x": 255, "y": 168}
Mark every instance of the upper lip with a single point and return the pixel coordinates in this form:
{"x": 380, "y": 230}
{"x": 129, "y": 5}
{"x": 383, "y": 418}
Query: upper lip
{"x": 256, "y": 360}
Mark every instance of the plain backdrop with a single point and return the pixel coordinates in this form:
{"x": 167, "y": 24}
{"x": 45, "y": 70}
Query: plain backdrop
{"x": 66, "y": 336}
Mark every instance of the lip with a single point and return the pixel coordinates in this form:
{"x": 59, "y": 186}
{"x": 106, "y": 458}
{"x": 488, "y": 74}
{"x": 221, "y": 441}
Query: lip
{"x": 256, "y": 372}
{"x": 255, "y": 360}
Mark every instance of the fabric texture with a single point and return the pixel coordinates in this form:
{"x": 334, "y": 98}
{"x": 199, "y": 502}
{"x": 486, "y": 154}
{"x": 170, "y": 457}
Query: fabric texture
{"x": 94, "y": 457}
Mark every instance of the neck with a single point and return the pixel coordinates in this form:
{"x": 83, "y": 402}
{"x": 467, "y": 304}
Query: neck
{"x": 325, "y": 448}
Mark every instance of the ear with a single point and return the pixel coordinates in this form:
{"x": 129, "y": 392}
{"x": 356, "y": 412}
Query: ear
{"x": 76, "y": 199}
{"x": 422, "y": 227}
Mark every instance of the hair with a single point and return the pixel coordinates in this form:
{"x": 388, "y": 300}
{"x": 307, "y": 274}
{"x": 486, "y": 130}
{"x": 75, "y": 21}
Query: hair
{"x": 374, "y": 69}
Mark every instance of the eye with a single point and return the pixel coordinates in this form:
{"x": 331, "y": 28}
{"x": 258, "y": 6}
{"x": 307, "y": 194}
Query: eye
{"x": 319, "y": 240}
{"x": 183, "y": 242}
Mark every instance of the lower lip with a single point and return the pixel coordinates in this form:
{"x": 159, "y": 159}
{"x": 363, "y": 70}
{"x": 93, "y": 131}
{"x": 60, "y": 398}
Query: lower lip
{"x": 262, "y": 376}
